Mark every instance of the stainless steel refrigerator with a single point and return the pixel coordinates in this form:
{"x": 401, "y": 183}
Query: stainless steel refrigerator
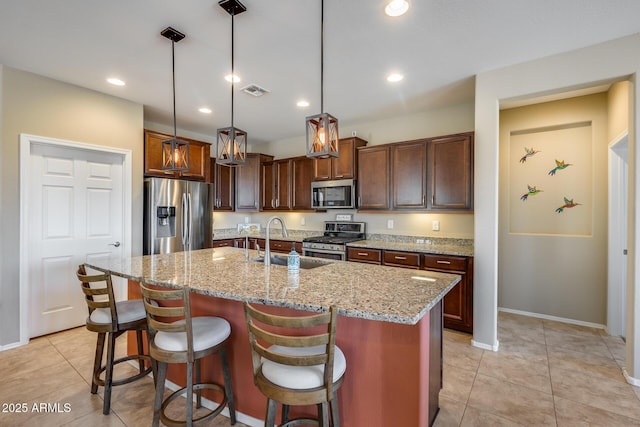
{"x": 177, "y": 215}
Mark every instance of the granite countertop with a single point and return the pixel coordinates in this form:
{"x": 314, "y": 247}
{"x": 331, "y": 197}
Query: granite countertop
{"x": 276, "y": 234}
{"x": 365, "y": 291}
{"x": 440, "y": 247}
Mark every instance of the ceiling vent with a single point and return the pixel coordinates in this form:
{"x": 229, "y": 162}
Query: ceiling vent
{"x": 255, "y": 90}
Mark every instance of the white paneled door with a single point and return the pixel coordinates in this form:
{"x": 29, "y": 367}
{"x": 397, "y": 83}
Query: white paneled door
{"x": 75, "y": 214}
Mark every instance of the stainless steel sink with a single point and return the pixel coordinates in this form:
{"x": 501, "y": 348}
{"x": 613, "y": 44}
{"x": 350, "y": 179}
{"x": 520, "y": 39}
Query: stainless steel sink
{"x": 305, "y": 263}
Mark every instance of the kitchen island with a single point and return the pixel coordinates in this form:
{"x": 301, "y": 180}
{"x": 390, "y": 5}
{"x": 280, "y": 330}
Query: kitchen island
{"x": 390, "y": 324}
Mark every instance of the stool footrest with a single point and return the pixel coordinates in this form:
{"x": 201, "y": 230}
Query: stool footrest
{"x": 301, "y": 422}
{"x": 99, "y": 381}
{"x": 170, "y": 422}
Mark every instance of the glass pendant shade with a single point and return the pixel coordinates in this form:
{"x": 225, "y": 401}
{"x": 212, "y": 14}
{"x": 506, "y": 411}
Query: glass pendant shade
{"x": 322, "y": 136}
{"x": 175, "y": 155}
{"x": 231, "y": 146}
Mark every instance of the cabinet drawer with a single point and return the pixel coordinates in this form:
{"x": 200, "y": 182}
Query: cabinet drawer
{"x": 223, "y": 243}
{"x": 364, "y": 255}
{"x": 444, "y": 262}
{"x": 401, "y": 259}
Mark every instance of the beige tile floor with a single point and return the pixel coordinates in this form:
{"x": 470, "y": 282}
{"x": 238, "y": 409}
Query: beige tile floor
{"x": 545, "y": 373}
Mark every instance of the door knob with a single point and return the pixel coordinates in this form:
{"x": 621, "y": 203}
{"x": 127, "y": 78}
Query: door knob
{"x": 116, "y": 244}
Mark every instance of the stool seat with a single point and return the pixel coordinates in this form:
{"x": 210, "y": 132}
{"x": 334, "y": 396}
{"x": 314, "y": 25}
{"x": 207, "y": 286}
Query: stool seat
{"x": 207, "y": 332}
{"x": 301, "y": 377}
{"x": 128, "y": 311}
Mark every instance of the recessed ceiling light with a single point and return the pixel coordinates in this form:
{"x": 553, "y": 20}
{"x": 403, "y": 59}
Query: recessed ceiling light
{"x": 205, "y": 110}
{"x": 396, "y": 7}
{"x": 302, "y": 103}
{"x": 395, "y": 77}
{"x": 235, "y": 77}
{"x": 115, "y": 81}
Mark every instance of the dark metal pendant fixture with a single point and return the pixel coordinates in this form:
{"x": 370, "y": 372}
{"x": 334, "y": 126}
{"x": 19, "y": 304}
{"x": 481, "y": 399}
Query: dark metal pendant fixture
{"x": 322, "y": 129}
{"x": 175, "y": 153}
{"x": 231, "y": 142}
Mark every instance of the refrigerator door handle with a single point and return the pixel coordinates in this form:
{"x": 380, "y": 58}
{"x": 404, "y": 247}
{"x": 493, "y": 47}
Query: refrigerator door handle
{"x": 183, "y": 223}
{"x": 189, "y": 224}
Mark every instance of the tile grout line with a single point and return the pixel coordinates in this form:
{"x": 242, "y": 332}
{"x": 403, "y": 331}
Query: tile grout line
{"x": 553, "y": 396}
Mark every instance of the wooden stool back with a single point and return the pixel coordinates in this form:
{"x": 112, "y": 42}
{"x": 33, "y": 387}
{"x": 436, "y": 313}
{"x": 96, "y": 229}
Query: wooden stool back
{"x": 98, "y": 297}
{"x": 268, "y": 329}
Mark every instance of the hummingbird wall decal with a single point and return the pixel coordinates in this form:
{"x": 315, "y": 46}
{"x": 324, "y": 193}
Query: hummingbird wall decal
{"x": 559, "y": 166}
{"x": 532, "y": 192}
{"x": 567, "y": 204}
{"x": 530, "y": 152}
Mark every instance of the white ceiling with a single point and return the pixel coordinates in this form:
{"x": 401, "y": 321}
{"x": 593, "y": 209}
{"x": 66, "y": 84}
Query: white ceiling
{"x": 439, "y": 46}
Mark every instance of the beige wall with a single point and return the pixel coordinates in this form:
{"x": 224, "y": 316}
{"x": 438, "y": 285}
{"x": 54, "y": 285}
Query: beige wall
{"x": 612, "y": 61}
{"x": 618, "y": 110}
{"x": 41, "y": 106}
{"x": 451, "y": 120}
{"x": 563, "y": 272}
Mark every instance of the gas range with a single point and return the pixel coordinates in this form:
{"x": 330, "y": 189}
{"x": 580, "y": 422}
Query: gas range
{"x": 333, "y": 243}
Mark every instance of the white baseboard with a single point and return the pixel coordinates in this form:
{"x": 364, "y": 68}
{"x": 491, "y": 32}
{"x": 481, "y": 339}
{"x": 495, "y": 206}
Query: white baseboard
{"x": 630, "y": 379}
{"x": 12, "y": 345}
{"x": 554, "y": 318}
{"x": 485, "y": 346}
{"x": 210, "y": 404}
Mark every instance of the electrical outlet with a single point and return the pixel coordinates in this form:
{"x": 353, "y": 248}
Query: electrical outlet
{"x": 435, "y": 225}
{"x": 302, "y": 221}
{"x": 389, "y": 224}
{"x": 246, "y": 220}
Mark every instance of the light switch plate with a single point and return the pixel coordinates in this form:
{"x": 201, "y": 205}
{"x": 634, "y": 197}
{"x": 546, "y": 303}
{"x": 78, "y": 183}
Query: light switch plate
{"x": 435, "y": 225}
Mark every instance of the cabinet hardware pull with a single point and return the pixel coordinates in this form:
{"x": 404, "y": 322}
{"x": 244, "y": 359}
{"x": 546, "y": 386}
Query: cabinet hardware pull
{"x": 424, "y": 199}
{"x": 272, "y": 203}
{"x": 363, "y": 254}
{"x": 443, "y": 262}
{"x": 401, "y": 257}
{"x": 433, "y": 199}
{"x": 359, "y": 201}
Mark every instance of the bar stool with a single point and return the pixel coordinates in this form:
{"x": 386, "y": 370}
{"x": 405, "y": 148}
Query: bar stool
{"x": 110, "y": 319}
{"x": 186, "y": 340}
{"x": 298, "y": 365}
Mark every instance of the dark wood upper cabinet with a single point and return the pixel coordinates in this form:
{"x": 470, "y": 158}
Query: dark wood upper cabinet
{"x": 199, "y": 158}
{"x": 223, "y": 184}
{"x": 343, "y": 167}
{"x": 301, "y": 178}
{"x": 409, "y": 175}
{"x": 249, "y": 182}
{"x": 373, "y": 178}
{"x": 450, "y": 173}
{"x": 276, "y": 185}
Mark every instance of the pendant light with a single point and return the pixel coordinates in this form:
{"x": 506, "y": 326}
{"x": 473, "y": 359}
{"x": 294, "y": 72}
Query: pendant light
{"x": 322, "y": 129}
{"x": 175, "y": 153}
{"x": 231, "y": 142}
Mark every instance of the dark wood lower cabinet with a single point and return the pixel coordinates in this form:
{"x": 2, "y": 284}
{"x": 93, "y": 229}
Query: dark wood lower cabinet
{"x": 457, "y": 304}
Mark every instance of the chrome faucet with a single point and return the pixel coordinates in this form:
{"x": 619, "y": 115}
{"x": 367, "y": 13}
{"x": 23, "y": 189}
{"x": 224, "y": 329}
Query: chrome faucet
{"x": 267, "y": 249}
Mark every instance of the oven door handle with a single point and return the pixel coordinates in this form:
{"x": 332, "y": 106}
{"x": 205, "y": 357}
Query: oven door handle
{"x": 306, "y": 251}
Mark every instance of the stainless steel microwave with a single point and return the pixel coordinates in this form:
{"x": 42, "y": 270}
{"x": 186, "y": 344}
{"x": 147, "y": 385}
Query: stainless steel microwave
{"x": 337, "y": 194}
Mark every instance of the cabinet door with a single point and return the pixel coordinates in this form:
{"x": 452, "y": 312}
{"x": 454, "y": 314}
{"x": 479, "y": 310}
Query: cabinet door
{"x": 268, "y": 186}
{"x": 458, "y": 303}
{"x": 223, "y": 180}
{"x": 451, "y": 173}
{"x": 301, "y": 177}
{"x": 322, "y": 169}
{"x": 249, "y": 183}
{"x": 153, "y": 155}
{"x": 345, "y": 166}
{"x": 199, "y": 158}
{"x": 373, "y": 178}
{"x": 409, "y": 176}
{"x": 283, "y": 185}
